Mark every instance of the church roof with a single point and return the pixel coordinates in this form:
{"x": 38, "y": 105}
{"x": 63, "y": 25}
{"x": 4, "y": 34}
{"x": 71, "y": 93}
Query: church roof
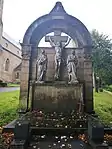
{"x": 18, "y": 67}
{"x": 7, "y": 37}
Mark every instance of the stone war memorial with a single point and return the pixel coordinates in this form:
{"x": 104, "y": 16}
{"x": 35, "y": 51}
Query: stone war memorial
{"x": 56, "y": 91}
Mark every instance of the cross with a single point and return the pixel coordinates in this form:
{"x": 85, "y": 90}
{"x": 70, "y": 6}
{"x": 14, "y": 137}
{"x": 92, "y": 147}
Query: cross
{"x": 57, "y": 38}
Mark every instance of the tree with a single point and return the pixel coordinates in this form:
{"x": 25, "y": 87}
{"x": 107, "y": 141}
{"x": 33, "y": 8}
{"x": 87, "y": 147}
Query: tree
{"x": 102, "y": 56}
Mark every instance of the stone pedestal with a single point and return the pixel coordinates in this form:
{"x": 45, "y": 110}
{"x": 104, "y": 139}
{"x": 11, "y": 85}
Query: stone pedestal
{"x": 56, "y": 97}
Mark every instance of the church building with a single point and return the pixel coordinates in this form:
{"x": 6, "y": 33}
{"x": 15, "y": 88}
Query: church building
{"x": 10, "y": 55}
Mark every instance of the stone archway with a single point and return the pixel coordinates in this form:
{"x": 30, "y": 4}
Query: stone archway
{"x": 57, "y": 19}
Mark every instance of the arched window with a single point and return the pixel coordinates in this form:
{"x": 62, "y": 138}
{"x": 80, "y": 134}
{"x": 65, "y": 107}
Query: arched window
{"x": 6, "y": 45}
{"x": 7, "y": 63}
{"x": 17, "y": 75}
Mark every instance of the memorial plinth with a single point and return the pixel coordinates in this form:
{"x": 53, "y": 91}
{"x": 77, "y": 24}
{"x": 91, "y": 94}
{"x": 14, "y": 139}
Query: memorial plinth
{"x": 56, "y": 96}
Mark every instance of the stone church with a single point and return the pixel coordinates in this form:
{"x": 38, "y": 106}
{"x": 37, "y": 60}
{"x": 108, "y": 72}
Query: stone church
{"x": 10, "y": 55}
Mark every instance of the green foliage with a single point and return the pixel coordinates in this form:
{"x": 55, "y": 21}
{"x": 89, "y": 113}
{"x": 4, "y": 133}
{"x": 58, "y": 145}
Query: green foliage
{"x": 103, "y": 106}
{"x": 8, "y": 106}
{"x": 108, "y": 88}
{"x": 100, "y": 89}
{"x": 102, "y": 56}
{"x": 2, "y": 84}
{"x": 13, "y": 85}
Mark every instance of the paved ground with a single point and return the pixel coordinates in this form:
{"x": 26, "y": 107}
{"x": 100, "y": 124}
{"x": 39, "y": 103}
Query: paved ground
{"x": 8, "y": 89}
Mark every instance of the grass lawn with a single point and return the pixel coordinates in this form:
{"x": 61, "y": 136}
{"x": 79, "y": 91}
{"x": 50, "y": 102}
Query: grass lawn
{"x": 8, "y": 106}
{"x": 103, "y": 106}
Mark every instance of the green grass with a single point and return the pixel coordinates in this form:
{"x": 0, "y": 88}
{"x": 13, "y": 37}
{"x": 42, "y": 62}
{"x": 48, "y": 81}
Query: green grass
{"x": 103, "y": 106}
{"x": 8, "y": 106}
{"x": 12, "y": 85}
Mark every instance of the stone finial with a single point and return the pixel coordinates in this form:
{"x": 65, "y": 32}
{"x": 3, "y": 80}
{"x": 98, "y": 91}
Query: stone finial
{"x": 58, "y": 8}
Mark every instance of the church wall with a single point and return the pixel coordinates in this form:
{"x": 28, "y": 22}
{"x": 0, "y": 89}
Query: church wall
{"x": 17, "y": 74}
{"x": 1, "y": 8}
{"x": 13, "y": 54}
{"x": 1, "y": 23}
{"x": 1, "y": 28}
{"x": 10, "y": 47}
{"x": 14, "y": 62}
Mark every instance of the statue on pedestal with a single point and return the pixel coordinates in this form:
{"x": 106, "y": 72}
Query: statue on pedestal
{"x": 42, "y": 66}
{"x": 72, "y": 65}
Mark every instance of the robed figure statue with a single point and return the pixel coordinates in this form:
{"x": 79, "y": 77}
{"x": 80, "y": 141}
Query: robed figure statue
{"x": 72, "y": 66}
{"x": 42, "y": 66}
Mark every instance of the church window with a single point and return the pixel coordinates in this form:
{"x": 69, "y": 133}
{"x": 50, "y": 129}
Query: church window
{"x": 17, "y": 75}
{"x": 6, "y": 45}
{"x": 7, "y": 63}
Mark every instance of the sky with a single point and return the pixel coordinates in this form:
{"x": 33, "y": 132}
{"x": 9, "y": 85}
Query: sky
{"x": 19, "y": 14}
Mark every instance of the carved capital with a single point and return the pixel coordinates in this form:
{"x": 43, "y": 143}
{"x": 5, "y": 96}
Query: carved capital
{"x": 26, "y": 55}
{"x": 87, "y": 56}
{"x": 26, "y": 51}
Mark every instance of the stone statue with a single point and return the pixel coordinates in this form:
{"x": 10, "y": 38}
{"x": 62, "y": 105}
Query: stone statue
{"x": 58, "y": 56}
{"x": 71, "y": 65}
{"x": 42, "y": 66}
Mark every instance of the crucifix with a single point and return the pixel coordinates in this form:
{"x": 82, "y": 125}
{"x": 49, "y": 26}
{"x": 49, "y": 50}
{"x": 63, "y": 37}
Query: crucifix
{"x": 58, "y": 42}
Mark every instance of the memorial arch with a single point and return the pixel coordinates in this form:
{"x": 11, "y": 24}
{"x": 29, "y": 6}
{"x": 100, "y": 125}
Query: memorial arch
{"x": 57, "y": 19}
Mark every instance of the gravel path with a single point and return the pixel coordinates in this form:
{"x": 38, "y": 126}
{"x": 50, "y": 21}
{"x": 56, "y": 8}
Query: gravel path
{"x": 8, "y": 89}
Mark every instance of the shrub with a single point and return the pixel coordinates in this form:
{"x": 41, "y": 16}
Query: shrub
{"x": 1, "y": 81}
{"x": 108, "y": 88}
{"x": 101, "y": 89}
{"x": 2, "y": 84}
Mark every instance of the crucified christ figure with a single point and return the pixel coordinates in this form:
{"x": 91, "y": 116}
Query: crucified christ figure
{"x": 58, "y": 56}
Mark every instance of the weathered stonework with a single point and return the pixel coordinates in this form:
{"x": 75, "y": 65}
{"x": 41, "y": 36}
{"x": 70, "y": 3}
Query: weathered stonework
{"x": 88, "y": 79}
{"x": 25, "y": 75}
{"x": 57, "y": 97}
{"x": 1, "y": 23}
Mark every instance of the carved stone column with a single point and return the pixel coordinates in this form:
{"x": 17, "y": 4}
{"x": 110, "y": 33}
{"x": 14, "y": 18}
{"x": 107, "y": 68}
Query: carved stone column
{"x": 26, "y": 53}
{"x": 88, "y": 85}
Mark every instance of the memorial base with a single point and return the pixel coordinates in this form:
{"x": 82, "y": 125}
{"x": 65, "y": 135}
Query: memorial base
{"x": 56, "y": 96}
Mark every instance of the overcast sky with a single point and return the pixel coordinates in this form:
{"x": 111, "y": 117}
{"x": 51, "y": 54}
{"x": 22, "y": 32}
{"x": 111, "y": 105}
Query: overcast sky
{"x": 19, "y": 14}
